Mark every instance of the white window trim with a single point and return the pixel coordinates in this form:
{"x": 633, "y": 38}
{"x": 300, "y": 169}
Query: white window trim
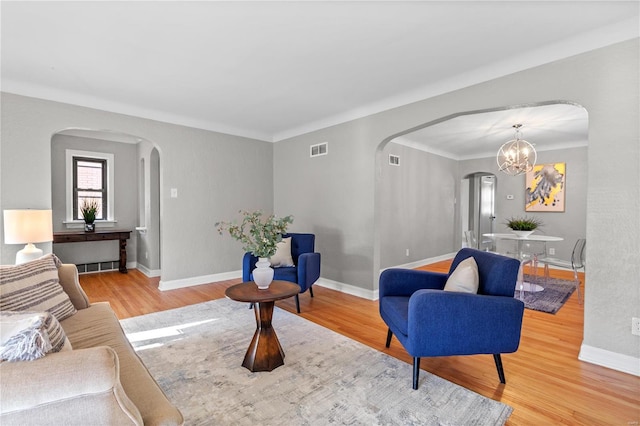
{"x": 69, "y": 221}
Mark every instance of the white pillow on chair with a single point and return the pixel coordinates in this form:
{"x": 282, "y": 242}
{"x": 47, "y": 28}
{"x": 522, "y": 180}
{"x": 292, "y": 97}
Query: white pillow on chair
{"x": 283, "y": 254}
{"x": 464, "y": 278}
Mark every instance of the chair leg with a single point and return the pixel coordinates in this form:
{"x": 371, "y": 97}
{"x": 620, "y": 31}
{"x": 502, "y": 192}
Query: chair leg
{"x": 389, "y": 336}
{"x": 416, "y": 371}
{"x": 297, "y": 303}
{"x": 575, "y": 277}
{"x": 498, "y": 360}
{"x": 311, "y": 291}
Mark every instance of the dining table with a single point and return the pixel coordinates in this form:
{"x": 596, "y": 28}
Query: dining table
{"x": 522, "y": 253}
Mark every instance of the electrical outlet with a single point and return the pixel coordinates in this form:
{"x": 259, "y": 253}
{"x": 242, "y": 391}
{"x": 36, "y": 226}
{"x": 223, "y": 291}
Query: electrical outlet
{"x": 635, "y": 326}
{"x": 407, "y": 252}
{"x": 552, "y": 251}
{"x": 174, "y": 192}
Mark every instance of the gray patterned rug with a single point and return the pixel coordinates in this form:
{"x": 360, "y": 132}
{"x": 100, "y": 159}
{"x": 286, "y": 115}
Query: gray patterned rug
{"x": 556, "y": 292}
{"x": 195, "y": 354}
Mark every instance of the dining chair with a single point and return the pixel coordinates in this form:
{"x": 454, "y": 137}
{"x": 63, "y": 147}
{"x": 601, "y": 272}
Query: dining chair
{"x": 577, "y": 262}
{"x": 472, "y": 241}
{"x": 470, "y": 238}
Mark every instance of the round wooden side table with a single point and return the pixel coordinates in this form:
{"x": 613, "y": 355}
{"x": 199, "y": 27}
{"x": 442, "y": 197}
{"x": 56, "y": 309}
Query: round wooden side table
{"x": 265, "y": 352}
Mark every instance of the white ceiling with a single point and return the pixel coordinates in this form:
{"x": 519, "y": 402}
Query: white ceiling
{"x": 272, "y": 70}
{"x": 479, "y": 135}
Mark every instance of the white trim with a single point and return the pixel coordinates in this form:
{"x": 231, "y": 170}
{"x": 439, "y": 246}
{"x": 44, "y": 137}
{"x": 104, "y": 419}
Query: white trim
{"x": 109, "y": 157}
{"x": 73, "y": 224}
{"x": 203, "y": 279}
{"x": 150, "y": 273}
{"x": 347, "y": 288}
{"x": 613, "y": 360}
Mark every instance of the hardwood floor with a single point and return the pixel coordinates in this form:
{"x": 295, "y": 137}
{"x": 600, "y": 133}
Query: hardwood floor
{"x": 546, "y": 383}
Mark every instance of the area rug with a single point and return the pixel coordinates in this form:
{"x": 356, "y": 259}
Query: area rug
{"x": 556, "y": 292}
{"x": 195, "y": 353}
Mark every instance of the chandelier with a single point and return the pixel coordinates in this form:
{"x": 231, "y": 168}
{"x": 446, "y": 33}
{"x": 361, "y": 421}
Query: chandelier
{"x": 516, "y": 156}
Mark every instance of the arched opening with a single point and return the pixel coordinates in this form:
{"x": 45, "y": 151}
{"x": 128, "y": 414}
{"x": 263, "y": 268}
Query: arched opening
{"x": 132, "y": 177}
{"x": 452, "y": 147}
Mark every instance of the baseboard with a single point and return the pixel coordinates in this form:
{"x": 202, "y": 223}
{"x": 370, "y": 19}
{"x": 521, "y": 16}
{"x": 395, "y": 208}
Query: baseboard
{"x": 347, "y": 288}
{"x": 203, "y": 279}
{"x": 322, "y": 282}
{"x": 423, "y": 262}
{"x": 613, "y": 360}
{"x": 150, "y": 273}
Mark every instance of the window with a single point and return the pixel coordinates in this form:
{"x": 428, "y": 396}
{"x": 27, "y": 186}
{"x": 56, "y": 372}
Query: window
{"x": 89, "y": 183}
{"x": 89, "y": 177}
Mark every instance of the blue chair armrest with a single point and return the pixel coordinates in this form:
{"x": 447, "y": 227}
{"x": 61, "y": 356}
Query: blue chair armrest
{"x": 308, "y": 270}
{"x": 452, "y": 323}
{"x": 248, "y": 265}
{"x": 405, "y": 282}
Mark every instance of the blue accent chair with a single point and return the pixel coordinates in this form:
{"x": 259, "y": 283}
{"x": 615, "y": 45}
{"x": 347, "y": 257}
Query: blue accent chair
{"x": 431, "y": 322}
{"x": 307, "y": 264}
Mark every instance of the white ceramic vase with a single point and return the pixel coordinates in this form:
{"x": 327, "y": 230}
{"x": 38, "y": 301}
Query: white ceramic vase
{"x": 263, "y": 274}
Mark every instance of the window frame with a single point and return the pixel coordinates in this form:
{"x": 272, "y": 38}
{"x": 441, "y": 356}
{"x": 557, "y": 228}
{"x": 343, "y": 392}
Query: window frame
{"x": 70, "y": 158}
{"x": 103, "y": 192}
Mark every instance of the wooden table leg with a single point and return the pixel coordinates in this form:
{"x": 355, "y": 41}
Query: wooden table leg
{"x": 123, "y": 256}
{"x": 265, "y": 352}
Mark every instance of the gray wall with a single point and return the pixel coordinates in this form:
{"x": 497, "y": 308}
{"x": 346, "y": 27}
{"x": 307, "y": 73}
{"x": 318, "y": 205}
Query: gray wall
{"x": 338, "y": 196}
{"x": 343, "y": 191}
{"x": 215, "y": 174}
{"x": 571, "y": 224}
{"x": 125, "y": 197}
{"x": 418, "y": 206}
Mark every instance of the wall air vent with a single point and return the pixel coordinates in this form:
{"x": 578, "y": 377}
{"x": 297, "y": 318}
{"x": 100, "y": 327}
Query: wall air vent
{"x": 394, "y": 160}
{"x": 319, "y": 149}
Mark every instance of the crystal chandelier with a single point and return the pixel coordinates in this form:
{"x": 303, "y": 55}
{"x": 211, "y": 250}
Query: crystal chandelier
{"x": 516, "y": 156}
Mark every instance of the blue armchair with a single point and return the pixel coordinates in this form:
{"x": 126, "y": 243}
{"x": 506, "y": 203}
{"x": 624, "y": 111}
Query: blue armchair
{"x": 307, "y": 264}
{"x": 431, "y": 322}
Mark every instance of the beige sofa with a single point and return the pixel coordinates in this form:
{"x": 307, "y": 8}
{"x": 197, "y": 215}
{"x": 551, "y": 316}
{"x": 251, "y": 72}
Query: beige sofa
{"x": 101, "y": 381}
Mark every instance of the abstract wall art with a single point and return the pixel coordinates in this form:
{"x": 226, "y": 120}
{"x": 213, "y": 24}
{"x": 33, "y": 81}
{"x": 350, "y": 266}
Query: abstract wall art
{"x": 545, "y": 188}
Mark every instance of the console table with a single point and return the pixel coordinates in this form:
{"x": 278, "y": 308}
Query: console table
{"x": 97, "y": 235}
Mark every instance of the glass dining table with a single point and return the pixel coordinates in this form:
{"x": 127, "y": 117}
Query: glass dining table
{"x": 522, "y": 254}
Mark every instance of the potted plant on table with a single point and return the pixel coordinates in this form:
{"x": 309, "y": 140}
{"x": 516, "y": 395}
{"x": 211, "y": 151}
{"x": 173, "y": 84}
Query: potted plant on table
{"x": 88, "y": 210}
{"x": 523, "y": 226}
{"x": 259, "y": 235}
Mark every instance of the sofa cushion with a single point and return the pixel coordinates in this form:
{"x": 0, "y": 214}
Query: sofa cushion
{"x": 464, "y": 278}
{"x": 34, "y": 286}
{"x": 97, "y": 325}
{"x": 26, "y": 336}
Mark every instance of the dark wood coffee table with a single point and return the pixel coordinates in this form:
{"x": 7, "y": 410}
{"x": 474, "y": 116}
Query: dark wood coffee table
{"x": 265, "y": 352}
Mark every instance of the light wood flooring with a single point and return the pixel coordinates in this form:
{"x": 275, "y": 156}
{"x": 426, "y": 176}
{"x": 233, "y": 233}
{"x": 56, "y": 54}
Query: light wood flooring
{"x": 546, "y": 383}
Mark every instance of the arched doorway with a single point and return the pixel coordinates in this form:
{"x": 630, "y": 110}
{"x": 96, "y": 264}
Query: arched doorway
{"x": 131, "y": 161}
{"x": 477, "y": 207}
{"x": 563, "y": 122}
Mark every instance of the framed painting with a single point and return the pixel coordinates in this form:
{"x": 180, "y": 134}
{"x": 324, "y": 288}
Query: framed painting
{"x": 545, "y": 188}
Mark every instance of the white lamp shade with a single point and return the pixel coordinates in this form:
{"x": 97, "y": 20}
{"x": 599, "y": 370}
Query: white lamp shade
{"x": 27, "y": 226}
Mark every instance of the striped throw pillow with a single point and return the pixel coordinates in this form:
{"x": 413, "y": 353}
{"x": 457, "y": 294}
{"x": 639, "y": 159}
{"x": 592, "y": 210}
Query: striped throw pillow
{"x": 25, "y": 336}
{"x": 34, "y": 286}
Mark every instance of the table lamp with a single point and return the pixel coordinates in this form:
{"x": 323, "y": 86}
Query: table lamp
{"x": 27, "y": 227}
